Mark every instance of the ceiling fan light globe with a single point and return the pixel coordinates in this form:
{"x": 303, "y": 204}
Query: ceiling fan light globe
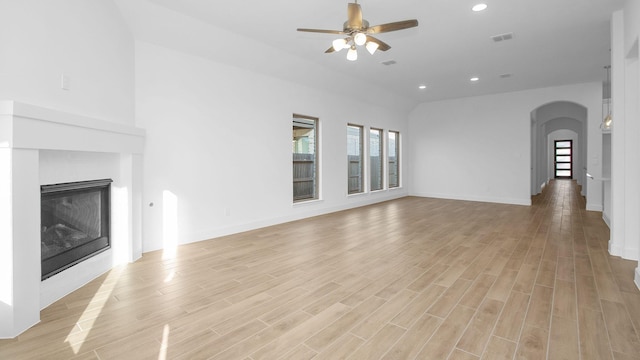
{"x": 372, "y": 47}
{"x": 352, "y": 55}
{"x": 339, "y": 44}
{"x": 360, "y": 39}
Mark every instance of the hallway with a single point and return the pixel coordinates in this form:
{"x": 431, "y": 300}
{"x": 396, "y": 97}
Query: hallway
{"x": 414, "y": 278}
{"x": 600, "y": 286}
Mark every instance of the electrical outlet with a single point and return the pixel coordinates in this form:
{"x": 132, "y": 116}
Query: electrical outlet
{"x": 65, "y": 82}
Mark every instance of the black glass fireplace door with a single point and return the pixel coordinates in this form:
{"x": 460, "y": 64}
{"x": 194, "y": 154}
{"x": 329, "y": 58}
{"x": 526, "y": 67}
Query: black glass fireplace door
{"x": 75, "y": 223}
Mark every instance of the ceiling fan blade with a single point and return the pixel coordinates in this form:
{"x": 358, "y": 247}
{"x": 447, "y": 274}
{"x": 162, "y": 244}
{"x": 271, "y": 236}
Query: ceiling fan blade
{"x": 354, "y": 16}
{"x": 330, "y": 50}
{"x": 394, "y": 26}
{"x": 337, "y": 32}
{"x": 382, "y": 46}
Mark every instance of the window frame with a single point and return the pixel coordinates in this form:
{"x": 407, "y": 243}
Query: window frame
{"x": 315, "y": 178}
{"x": 390, "y": 168}
{"x": 361, "y": 169}
{"x": 381, "y": 161}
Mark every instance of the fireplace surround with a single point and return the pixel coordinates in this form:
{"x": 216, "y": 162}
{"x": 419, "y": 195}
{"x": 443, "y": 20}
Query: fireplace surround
{"x": 40, "y": 146}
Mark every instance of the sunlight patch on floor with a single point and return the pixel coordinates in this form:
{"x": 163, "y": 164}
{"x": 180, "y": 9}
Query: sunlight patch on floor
{"x": 165, "y": 342}
{"x": 88, "y": 317}
{"x": 170, "y": 277}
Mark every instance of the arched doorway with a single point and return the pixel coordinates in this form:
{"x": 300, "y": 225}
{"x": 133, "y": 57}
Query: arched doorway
{"x": 552, "y": 121}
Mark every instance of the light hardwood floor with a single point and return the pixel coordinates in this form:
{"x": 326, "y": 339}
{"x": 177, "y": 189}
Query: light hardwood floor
{"x": 414, "y": 278}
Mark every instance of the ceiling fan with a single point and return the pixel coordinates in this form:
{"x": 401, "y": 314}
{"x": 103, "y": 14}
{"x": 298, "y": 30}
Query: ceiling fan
{"x": 358, "y": 33}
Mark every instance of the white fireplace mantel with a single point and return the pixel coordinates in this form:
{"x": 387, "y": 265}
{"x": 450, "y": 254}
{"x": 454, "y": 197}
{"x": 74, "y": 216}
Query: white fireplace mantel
{"x": 25, "y": 126}
{"x": 25, "y": 131}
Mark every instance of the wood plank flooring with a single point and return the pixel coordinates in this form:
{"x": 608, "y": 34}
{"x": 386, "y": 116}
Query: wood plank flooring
{"x": 414, "y": 278}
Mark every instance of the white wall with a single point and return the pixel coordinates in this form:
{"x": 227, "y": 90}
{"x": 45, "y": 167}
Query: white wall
{"x": 470, "y": 149}
{"x": 218, "y": 149}
{"x": 153, "y": 23}
{"x": 478, "y": 148}
{"x": 632, "y": 39}
{"x": 607, "y": 208}
{"x": 625, "y": 134}
{"x": 87, "y": 40}
{"x": 631, "y": 13}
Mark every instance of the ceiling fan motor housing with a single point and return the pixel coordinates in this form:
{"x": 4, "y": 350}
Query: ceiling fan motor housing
{"x": 350, "y": 28}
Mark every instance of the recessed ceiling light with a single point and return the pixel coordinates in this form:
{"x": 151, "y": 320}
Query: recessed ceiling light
{"x": 422, "y": 87}
{"x": 474, "y": 79}
{"x": 479, "y": 7}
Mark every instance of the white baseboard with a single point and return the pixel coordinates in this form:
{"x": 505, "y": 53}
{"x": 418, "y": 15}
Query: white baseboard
{"x": 594, "y": 207}
{"x": 623, "y": 252}
{"x": 606, "y": 219}
{"x": 614, "y": 250}
{"x": 305, "y": 210}
{"x": 509, "y": 201}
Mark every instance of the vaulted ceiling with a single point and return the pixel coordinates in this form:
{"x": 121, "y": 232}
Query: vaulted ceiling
{"x": 553, "y": 42}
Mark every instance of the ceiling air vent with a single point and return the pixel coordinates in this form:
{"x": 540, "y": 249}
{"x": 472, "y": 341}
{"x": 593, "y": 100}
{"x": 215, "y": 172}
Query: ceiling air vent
{"x": 388, "y": 62}
{"x": 501, "y": 37}
{"x": 505, "y": 76}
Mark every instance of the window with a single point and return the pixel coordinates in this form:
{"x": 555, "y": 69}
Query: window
{"x": 563, "y": 158}
{"x": 305, "y": 158}
{"x": 376, "y": 168}
{"x": 354, "y": 159}
{"x": 394, "y": 159}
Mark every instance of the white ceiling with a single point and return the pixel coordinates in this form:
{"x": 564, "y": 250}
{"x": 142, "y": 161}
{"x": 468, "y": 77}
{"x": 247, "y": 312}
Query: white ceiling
{"x": 555, "y": 42}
